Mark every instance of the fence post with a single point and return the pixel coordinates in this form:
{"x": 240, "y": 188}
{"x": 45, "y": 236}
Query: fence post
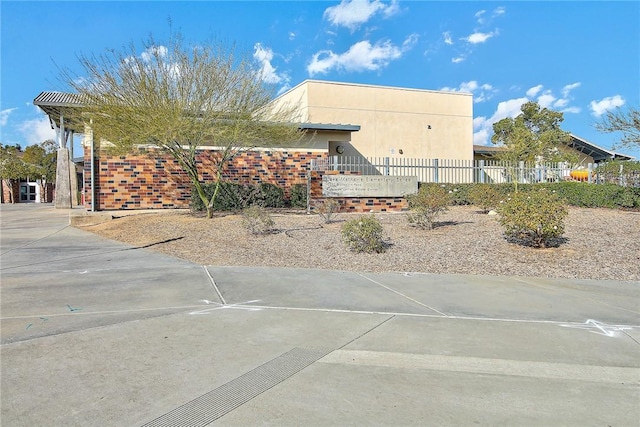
{"x": 309, "y": 191}
{"x": 386, "y": 166}
{"x": 590, "y": 168}
{"x": 520, "y": 176}
{"x": 435, "y": 171}
{"x": 481, "y": 164}
{"x": 621, "y": 180}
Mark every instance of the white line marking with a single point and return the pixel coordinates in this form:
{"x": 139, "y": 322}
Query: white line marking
{"x": 238, "y": 306}
{"x": 85, "y": 313}
{"x": 432, "y": 316}
{"x": 213, "y": 283}
{"x": 402, "y": 295}
{"x": 521, "y": 368}
{"x": 600, "y": 328}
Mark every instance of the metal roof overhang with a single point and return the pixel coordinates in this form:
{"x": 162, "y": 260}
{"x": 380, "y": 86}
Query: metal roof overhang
{"x": 57, "y": 104}
{"x": 599, "y": 154}
{"x": 329, "y": 126}
{"x": 60, "y": 104}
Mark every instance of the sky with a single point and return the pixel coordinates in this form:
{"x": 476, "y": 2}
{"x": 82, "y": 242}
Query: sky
{"x": 580, "y": 57}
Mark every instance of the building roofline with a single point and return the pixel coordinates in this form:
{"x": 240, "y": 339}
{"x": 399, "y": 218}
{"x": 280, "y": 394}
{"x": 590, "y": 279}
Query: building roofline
{"x": 304, "y": 82}
{"x": 329, "y": 126}
{"x": 600, "y": 153}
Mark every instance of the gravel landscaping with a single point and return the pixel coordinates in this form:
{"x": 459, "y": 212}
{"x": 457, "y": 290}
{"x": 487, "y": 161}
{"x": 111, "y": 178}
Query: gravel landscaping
{"x": 599, "y": 244}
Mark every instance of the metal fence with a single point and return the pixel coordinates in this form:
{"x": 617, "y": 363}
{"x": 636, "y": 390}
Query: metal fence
{"x": 450, "y": 170}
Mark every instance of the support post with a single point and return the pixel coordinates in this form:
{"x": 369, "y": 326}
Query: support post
{"x": 436, "y": 171}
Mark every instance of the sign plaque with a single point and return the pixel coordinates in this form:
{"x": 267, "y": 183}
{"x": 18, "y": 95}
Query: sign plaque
{"x": 368, "y": 185}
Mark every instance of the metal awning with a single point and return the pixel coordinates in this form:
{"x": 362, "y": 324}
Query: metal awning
{"x": 61, "y": 104}
{"x": 599, "y": 154}
{"x": 57, "y": 104}
{"x": 329, "y": 126}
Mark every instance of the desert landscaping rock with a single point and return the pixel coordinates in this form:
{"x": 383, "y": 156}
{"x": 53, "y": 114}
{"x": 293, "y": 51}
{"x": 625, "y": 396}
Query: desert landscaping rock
{"x": 600, "y": 244}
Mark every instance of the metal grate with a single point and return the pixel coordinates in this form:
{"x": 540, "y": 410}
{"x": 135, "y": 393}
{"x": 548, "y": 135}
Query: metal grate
{"x": 209, "y": 407}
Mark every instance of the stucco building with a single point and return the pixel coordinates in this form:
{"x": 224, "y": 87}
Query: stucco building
{"x": 394, "y": 122}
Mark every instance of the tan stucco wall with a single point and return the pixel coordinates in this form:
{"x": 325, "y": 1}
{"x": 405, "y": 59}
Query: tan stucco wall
{"x": 391, "y": 119}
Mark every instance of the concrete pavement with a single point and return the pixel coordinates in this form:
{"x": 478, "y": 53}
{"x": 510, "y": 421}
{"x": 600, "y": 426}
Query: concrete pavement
{"x": 95, "y": 332}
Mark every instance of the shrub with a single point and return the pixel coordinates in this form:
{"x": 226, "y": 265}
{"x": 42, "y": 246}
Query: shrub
{"x": 327, "y": 208}
{"x": 299, "y": 196}
{"x": 234, "y": 197}
{"x": 427, "y": 204}
{"x": 270, "y": 196}
{"x": 533, "y": 218}
{"x": 588, "y": 195}
{"x": 364, "y": 234}
{"x": 484, "y": 196}
{"x": 257, "y": 220}
{"x": 581, "y": 194}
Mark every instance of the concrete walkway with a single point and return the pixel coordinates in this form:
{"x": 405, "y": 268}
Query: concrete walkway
{"x": 97, "y": 333}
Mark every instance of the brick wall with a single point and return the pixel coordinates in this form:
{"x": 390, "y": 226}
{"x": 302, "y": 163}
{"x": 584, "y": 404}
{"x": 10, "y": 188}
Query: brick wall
{"x": 6, "y": 191}
{"x": 352, "y": 204}
{"x": 155, "y": 181}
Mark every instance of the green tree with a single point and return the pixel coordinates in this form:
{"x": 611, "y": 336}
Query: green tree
{"x": 628, "y": 123}
{"x": 42, "y": 159}
{"x": 12, "y": 167}
{"x": 533, "y": 135}
{"x": 178, "y": 97}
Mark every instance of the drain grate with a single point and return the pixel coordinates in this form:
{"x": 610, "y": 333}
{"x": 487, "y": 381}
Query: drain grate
{"x": 209, "y": 407}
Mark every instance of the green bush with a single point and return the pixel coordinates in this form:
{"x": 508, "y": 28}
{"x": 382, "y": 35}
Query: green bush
{"x": 588, "y": 195}
{"x": 364, "y": 234}
{"x": 533, "y": 218}
{"x": 257, "y": 220}
{"x": 484, "y": 196}
{"x": 270, "y": 196}
{"x": 429, "y": 202}
{"x": 298, "y": 197}
{"x": 582, "y": 194}
{"x": 234, "y": 197}
{"x": 327, "y": 208}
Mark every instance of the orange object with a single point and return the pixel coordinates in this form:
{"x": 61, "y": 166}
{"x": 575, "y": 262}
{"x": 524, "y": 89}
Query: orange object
{"x": 580, "y": 174}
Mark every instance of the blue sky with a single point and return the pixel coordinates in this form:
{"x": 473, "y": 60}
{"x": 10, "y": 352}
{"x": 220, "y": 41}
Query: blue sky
{"x": 581, "y": 58}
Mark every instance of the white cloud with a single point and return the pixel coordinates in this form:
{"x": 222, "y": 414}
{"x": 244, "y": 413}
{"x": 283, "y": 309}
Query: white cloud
{"x": 546, "y": 99}
{"x": 362, "y": 56}
{"x": 447, "y": 38}
{"x": 458, "y": 59}
{"x": 560, "y": 103}
{"x": 479, "y": 37}
{"x": 4, "y": 115}
{"x": 37, "y": 130}
{"x": 292, "y": 35}
{"x": 566, "y": 90}
{"x": 353, "y": 13}
{"x": 599, "y": 108}
{"x": 482, "y": 17}
{"x": 573, "y": 110}
{"x": 483, "y": 127}
{"x": 268, "y": 72}
{"x": 152, "y": 51}
{"x": 481, "y": 92}
{"x": 410, "y": 42}
{"x": 532, "y": 92}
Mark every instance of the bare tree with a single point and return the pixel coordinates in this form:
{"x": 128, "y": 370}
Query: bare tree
{"x": 179, "y": 97}
{"x": 628, "y": 123}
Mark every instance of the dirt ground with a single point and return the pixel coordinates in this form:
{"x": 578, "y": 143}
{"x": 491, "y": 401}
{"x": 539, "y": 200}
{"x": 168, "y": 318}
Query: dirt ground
{"x": 599, "y": 244}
